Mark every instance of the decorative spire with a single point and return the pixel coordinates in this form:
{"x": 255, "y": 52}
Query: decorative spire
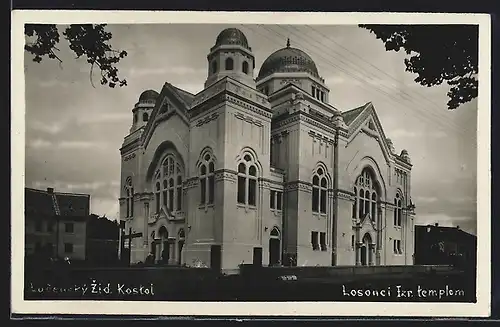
{"x": 288, "y": 43}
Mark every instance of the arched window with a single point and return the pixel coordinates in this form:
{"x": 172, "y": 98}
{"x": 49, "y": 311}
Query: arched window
{"x": 179, "y": 193}
{"x": 247, "y": 181}
{"x": 207, "y": 182}
{"x": 229, "y": 64}
{"x": 168, "y": 185}
{"x": 319, "y": 189}
{"x": 244, "y": 67}
{"x": 367, "y": 196}
{"x": 398, "y": 210}
{"x": 214, "y": 67}
{"x": 157, "y": 197}
{"x": 129, "y": 197}
{"x": 135, "y": 118}
{"x": 145, "y": 116}
{"x": 355, "y": 204}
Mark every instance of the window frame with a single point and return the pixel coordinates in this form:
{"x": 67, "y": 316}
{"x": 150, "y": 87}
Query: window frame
{"x": 247, "y": 182}
{"x": 71, "y": 246}
{"x": 245, "y": 67}
{"x": 168, "y": 184}
{"x": 315, "y": 240}
{"x": 320, "y": 184}
{"x": 276, "y": 200}
{"x": 206, "y": 173}
{"x": 322, "y": 242}
{"x": 129, "y": 197}
{"x": 398, "y": 211}
{"x": 69, "y": 230}
{"x": 367, "y": 197}
{"x": 229, "y": 64}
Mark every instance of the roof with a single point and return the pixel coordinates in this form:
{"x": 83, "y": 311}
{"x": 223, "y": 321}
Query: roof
{"x": 43, "y": 202}
{"x": 186, "y": 96}
{"x": 232, "y": 36}
{"x": 148, "y": 95}
{"x": 288, "y": 59}
{"x": 350, "y": 115}
{"x": 445, "y": 233}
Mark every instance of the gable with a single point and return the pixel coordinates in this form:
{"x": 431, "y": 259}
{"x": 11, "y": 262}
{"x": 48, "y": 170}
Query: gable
{"x": 169, "y": 103}
{"x": 351, "y": 115}
{"x": 368, "y": 123}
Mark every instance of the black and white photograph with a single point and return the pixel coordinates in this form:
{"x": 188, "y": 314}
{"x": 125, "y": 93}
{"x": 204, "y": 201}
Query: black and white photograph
{"x": 244, "y": 163}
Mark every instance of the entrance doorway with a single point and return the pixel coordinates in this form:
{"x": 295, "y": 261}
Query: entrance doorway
{"x": 366, "y": 257}
{"x": 363, "y": 255}
{"x": 164, "y": 246}
{"x": 274, "y": 247}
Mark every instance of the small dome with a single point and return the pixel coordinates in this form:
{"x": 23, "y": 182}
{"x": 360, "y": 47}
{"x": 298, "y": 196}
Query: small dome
{"x": 232, "y": 36}
{"x": 288, "y": 60}
{"x": 148, "y": 95}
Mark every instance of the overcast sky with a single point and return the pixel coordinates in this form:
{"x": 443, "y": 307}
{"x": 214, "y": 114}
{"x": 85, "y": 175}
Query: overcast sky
{"x": 74, "y": 131}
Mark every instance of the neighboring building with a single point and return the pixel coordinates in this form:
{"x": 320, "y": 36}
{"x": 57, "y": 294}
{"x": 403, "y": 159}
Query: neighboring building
{"x": 55, "y": 223}
{"x": 436, "y": 244}
{"x": 263, "y": 170}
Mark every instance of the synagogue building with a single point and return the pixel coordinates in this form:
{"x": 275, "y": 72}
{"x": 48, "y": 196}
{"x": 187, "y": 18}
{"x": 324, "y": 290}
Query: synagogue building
{"x": 263, "y": 170}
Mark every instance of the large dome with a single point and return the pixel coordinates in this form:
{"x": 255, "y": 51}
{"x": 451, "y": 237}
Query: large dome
{"x": 232, "y": 36}
{"x": 148, "y": 95}
{"x": 288, "y": 60}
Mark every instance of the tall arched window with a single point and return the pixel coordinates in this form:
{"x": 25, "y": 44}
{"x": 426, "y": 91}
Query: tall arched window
{"x": 145, "y": 116}
{"x": 214, "y": 67}
{"x": 355, "y": 204}
{"x": 168, "y": 185}
{"x": 398, "y": 210}
{"x": 244, "y": 67}
{"x": 319, "y": 189}
{"x": 247, "y": 181}
{"x": 129, "y": 197}
{"x": 207, "y": 182}
{"x": 179, "y": 193}
{"x": 367, "y": 195}
{"x": 157, "y": 197}
{"x": 229, "y": 64}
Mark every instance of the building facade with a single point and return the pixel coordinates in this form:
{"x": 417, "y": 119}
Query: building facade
{"x": 440, "y": 245}
{"x": 263, "y": 170}
{"x": 56, "y": 223}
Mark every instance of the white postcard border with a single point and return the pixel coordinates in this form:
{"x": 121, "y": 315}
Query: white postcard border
{"x": 18, "y": 305}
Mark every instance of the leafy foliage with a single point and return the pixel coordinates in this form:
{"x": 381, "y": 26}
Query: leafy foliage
{"x": 88, "y": 40}
{"x": 437, "y": 53}
{"x": 102, "y": 228}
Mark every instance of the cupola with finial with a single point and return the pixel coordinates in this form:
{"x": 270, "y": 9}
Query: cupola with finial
{"x": 231, "y": 56}
{"x": 143, "y": 109}
{"x": 291, "y": 65}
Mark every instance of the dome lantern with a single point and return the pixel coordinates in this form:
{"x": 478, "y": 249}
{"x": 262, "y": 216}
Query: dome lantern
{"x": 143, "y": 109}
{"x": 231, "y": 56}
